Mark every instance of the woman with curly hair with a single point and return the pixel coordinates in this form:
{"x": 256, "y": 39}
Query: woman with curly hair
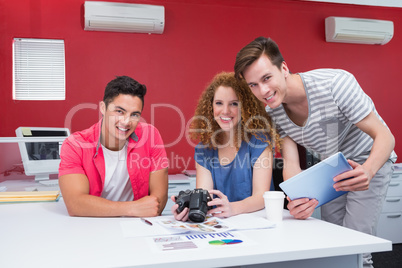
{"x": 235, "y": 152}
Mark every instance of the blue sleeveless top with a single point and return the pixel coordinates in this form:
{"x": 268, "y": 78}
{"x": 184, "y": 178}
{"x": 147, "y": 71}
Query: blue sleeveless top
{"x": 235, "y": 180}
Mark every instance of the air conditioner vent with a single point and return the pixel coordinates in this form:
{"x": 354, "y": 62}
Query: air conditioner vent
{"x": 361, "y": 31}
{"x": 121, "y": 17}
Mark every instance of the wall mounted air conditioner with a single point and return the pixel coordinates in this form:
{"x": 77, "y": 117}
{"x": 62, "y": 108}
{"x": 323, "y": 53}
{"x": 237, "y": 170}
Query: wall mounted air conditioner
{"x": 122, "y": 17}
{"x": 360, "y": 31}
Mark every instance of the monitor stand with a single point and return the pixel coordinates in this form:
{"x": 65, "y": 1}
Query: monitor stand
{"x": 50, "y": 182}
{"x": 44, "y": 179}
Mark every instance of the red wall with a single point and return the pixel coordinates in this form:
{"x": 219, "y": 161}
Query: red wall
{"x": 201, "y": 38}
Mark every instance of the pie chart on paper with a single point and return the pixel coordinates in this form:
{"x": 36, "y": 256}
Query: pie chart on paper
{"x": 225, "y": 242}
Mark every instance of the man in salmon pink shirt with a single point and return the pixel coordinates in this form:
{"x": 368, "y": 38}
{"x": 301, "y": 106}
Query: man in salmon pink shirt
{"x": 118, "y": 166}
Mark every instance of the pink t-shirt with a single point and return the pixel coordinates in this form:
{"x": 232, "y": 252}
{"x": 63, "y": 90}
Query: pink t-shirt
{"x": 81, "y": 153}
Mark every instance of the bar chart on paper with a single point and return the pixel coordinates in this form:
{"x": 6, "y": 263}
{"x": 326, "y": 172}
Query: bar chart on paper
{"x": 220, "y": 239}
{"x": 209, "y": 236}
{"x": 192, "y": 241}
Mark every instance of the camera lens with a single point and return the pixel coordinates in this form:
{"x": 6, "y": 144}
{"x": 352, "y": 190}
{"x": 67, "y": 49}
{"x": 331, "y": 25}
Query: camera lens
{"x": 196, "y": 216}
{"x": 198, "y": 205}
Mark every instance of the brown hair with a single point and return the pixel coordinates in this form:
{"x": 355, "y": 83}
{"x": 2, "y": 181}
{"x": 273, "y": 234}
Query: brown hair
{"x": 253, "y": 51}
{"x": 254, "y": 119}
{"x": 124, "y": 85}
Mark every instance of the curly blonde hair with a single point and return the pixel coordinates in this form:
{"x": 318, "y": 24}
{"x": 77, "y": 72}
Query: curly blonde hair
{"x": 254, "y": 119}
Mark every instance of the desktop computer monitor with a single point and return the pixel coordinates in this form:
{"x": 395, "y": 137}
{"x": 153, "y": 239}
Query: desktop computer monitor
{"x": 42, "y": 158}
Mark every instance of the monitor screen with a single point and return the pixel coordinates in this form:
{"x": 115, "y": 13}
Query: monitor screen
{"x": 41, "y": 158}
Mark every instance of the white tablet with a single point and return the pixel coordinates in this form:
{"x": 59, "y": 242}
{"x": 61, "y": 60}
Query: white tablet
{"x": 317, "y": 181}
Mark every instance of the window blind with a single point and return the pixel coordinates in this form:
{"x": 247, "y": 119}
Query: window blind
{"x": 38, "y": 69}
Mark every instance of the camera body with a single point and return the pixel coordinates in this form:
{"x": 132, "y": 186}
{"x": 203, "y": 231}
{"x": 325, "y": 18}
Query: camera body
{"x": 196, "y": 200}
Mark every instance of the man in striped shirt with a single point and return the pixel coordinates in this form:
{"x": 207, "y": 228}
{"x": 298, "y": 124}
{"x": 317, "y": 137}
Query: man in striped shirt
{"x": 325, "y": 111}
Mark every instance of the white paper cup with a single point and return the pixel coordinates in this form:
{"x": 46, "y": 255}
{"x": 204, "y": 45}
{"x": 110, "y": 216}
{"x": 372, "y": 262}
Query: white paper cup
{"x": 274, "y": 205}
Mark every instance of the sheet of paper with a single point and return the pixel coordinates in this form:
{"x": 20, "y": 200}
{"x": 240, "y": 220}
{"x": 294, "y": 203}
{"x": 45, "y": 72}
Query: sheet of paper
{"x": 197, "y": 241}
{"x": 210, "y": 225}
{"x": 167, "y": 225}
{"x": 137, "y": 228}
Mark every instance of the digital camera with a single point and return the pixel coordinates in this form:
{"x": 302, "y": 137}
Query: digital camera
{"x": 196, "y": 200}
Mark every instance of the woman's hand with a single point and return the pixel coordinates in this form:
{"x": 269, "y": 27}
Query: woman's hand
{"x": 223, "y": 207}
{"x": 182, "y": 216}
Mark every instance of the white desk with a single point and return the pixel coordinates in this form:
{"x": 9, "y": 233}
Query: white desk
{"x": 43, "y": 235}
